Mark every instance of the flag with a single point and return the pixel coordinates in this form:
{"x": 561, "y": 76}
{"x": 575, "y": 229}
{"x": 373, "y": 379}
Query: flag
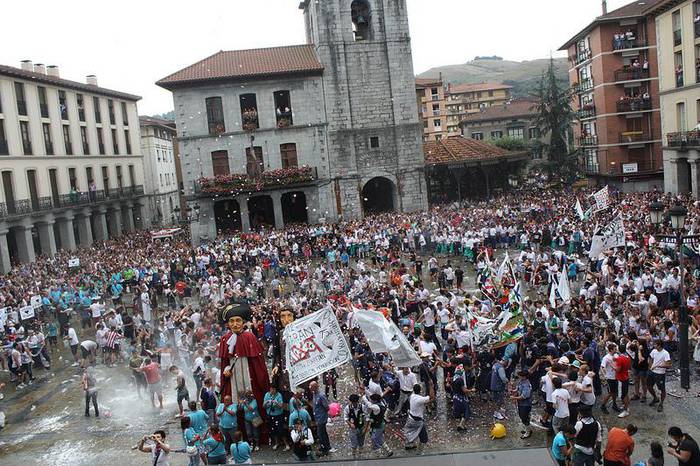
{"x": 553, "y": 293}
{"x": 579, "y": 210}
{"x": 563, "y": 288}
{"x": 504, "y": 268}
{"x": 383, "y": 336}
{"x": 609, "y": 237}
{"x": 602, "y": 199}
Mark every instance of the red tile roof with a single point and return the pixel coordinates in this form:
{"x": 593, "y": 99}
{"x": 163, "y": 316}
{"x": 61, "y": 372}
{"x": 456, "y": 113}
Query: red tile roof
{"x": 246, "y": 64}
{"x": 458, "y": 149}
{"x": 517, "y": 108}
{"x": 476, "y": 87}
{"x": 427, "y": 82}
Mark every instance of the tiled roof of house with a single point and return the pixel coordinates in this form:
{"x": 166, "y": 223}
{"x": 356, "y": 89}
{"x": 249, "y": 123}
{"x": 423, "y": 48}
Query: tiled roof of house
{"x": 153, "y": 121}
{"x": 67, "y": 83}
{"x": 635, "y": 9}
{"x": 427, "y": 82}
{"x": 458, "y": 149}
{"x": 516, "y": 108}
{"x": 246, "y": 64}
{"x": 476, "y": 87}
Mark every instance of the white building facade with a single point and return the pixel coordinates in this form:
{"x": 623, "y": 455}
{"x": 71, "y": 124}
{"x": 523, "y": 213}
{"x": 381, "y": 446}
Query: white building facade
{"x": 161, "y": 184}
{"x": 71, "y": 169}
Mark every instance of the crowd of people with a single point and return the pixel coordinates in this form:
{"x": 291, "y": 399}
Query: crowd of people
{"x": 208, "y": 323}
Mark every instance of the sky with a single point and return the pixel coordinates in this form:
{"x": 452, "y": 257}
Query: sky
{"x": 130, "y": 44}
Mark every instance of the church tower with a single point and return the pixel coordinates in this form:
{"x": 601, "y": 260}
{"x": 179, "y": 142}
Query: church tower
{"x": 374, "y": 133}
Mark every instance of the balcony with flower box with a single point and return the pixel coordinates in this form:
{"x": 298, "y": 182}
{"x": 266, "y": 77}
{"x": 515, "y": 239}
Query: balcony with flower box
{"x": 236, "y": 183}
{"x": 633, "y": 104}
{"x": 636, "y": 136}
{"x": 585, "y": 85}
{"x": 631, "y": 73}
{"x": 684, "y": 139}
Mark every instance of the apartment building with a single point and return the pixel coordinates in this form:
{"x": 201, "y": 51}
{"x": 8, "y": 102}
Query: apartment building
{"x": 430, "y": 97}
{"x": 515, "y": 119}
{"x": 465, "y": 99}
{"x": 70, "y": 163}
{"x": 161, "y": 181}
{"x": 613, "y": 68}
{"x": 678, "y": 41}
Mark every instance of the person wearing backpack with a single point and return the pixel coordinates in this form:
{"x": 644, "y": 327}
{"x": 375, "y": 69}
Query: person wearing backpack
{"x": 302, "y": 440}
{"x": 376, "y": 407}
{"x": 215, "y": 446}
{"x": 208, "y": 400}
{"x": 588, "y": 439}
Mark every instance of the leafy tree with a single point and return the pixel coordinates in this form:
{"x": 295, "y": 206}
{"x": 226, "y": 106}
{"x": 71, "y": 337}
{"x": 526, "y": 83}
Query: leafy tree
{"x": 166, "y": 116}
{"x": 554, "y": 119}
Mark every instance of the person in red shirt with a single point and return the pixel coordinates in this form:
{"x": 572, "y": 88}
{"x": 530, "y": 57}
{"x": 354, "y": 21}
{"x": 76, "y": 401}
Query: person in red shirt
{"x": 623, "y": 364}
{"x": 620, "y": 446}
{"x": 151, "y": 370}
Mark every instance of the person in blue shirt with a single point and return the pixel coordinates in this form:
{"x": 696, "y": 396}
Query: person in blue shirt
{"x": 198, "y": 418}
{"x": 215, "y": 446}
{"x": 192, "y": 441}
{"x": 298, "y": 412}
{"x": 240, "y": 450}
{"x": 320, "y": 406}
{"x": 273, "y": 404}
{"x": 560, "y": 446}
{"x": 252, "y": 417}
{"x": 228, "y": 420}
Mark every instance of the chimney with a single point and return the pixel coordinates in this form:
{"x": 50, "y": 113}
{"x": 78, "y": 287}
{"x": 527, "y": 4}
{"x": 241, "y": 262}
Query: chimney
{"x": 91, "y": 79}
{"x": 605, "y": 7}
{"x": 52, "y": 70}
{"x": 39, "y": 68}
{"x": 27, "y": 65}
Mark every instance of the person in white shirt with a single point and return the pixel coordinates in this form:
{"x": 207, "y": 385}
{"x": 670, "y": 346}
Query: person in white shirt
{"x": 607, "y": 367}
{"x": 415, "y": 428}
{"x": 407, "y": 380}
{"x": 659, "y": 361}
{"x": 73, "y": 341}
{"x": 560, "y": 400}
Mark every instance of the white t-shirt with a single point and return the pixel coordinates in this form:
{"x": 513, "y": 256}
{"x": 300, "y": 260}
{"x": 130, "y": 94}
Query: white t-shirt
{"x": 429, "y": 317}
{"x": 73, "y": 336}
{"x": 89, "y": 345}
{"x": 547, "y": 388}
{"x": 560, "y": 398}
{"x": 608, "y": 366}
{"x": 427, "y": 347}
{"x": 658, "y": 358}
{"x": 587, "y": 398}
{"x": 417, "y": 405}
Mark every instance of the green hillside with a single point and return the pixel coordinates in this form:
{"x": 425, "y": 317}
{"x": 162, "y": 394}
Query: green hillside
{"x": 523, "y": 76}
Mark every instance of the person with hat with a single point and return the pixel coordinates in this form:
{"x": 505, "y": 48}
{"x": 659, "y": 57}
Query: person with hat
{"x": 355, "y": 416}
{"x": 522, "y": 395}
{"x": 376, "y": 408}
{"x": 243, "y": 365}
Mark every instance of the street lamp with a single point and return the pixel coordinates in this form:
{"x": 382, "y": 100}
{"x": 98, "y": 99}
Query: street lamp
{"x": 678, "y": 214}
{"x": 656, "y": 212}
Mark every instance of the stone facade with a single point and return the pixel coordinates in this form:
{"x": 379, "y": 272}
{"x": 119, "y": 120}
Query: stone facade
{"x": 355, "y": 120}
{"x": 369, "y": 93}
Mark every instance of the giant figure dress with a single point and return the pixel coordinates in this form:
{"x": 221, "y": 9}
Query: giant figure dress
{"x": 242, "y": 354}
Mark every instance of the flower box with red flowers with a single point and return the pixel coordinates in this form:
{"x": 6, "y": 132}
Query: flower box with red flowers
{"x": 241, "y": 182}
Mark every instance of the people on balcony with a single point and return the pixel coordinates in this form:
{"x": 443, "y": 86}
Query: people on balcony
{"x": 635, "y": 101}
{"x": 679, "y": 75}
{"x": 250, "y": 118}
{"x": 624, "y": 40}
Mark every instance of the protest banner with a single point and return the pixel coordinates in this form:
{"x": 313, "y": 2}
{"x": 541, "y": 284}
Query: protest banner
{"x": 35, "y": 301}
{"x": 74, "y": 262}
{"x": 383, "y": 336}
{"x": 602, "y": 199}
{"x": 315, "y": 344}
{"x": 3, "y": 316}
{"x": 26, "y": 312}
{"x": 610, "y": 236}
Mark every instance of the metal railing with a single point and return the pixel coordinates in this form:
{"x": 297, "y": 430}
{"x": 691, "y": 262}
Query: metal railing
{"x": 73, "y": 199}
{"x": 581, "y": 56}
{"x": 633, "y": 105}
{"x": 585, "y": 141}
{"x": 627, "y": 137}
{"x": 588, "y": 112}
{"x": 628, "y": 44}
{"x": 683, "y": 139}
{"x": 629, "y": 74}
{"x": 677, "y": 37}
{"x": 584, "y": 86}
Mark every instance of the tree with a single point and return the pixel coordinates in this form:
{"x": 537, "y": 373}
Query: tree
{"x": 554, "y": 119}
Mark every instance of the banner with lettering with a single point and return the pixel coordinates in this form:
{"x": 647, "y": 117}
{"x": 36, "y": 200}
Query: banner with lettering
{"x": 315, "y": 344}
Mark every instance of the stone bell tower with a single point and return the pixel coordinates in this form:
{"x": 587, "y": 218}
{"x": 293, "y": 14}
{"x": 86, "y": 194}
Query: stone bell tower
{"x": 374, "y": 133}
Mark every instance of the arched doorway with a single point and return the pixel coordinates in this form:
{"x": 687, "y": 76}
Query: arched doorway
{"x": 228, "y": 215}
{"x": 261, "y": 212}
{"x": 378, "y": 196}
{"x": 294, "y": 208}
